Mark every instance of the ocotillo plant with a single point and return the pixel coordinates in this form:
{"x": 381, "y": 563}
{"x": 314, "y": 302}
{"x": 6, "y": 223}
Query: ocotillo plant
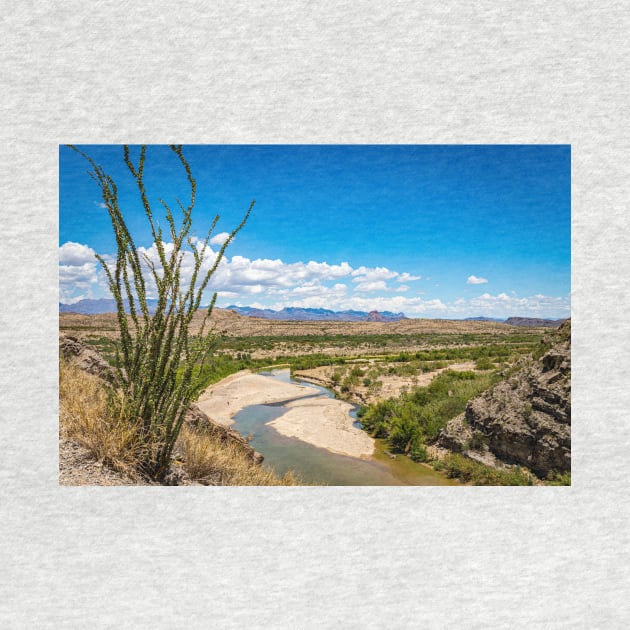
{"x": 157, "y": 357}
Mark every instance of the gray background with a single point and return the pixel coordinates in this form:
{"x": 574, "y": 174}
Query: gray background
{"x": 301, "y": 72}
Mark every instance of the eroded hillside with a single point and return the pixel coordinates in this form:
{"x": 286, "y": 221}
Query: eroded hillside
{"x": 526, "y": 418}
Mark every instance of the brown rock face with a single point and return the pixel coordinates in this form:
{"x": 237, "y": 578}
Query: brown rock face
{"x": 527, "y": 419}
{"x": 375, "y": 316}
{"x": 84, "y": 357}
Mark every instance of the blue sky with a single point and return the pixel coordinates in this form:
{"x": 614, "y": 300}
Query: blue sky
{"x": 433, "y": 231}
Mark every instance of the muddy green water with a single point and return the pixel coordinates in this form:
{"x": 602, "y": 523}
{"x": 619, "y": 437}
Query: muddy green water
{"x": 319, "y": 466}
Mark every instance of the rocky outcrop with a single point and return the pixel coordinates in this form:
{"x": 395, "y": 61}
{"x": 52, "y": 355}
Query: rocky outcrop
{"x": 525, "y": 419}
{"x": 80, "y": 354}
{"x": 457, "y": 435}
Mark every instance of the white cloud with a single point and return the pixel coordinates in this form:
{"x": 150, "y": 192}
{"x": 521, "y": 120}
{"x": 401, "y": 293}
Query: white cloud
{"x": 219, "y": 239}
{"x": 475, "y": 280}
{"x": 276, "y": 284}
{"x": 369, "y": 287}
{"x": 241, "y": 271}
{"x": 78, "y": 272}
{"x": 503, "y": 306}
{"x": 499, "y": 306}
{"x": 407, "y": 277}
{"x": 76, "y": 254}
{"x": 371, "y": 274}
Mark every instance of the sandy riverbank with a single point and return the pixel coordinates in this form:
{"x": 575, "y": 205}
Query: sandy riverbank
{"x": 225, "y": 399}
{"x": 323, "y": 422}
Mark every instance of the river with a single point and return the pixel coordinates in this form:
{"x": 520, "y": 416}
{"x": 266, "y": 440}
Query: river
{"x": 319, "y": 466}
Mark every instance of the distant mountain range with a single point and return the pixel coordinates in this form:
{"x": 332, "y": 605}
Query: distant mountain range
{"x": 483, "y": 319}
{"x": 317, "y": 314}
{"x": 98, "y": 307}
{"x": 108, "y": 305}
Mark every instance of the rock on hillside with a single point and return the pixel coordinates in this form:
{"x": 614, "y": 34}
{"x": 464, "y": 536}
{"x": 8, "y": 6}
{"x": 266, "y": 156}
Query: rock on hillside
{"x": 80, "y": 354}
{"x": 525, "y": 419}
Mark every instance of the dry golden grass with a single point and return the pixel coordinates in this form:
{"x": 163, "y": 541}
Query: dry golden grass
{"x": 208, "y": 459}
{"x": 91, "y": 418}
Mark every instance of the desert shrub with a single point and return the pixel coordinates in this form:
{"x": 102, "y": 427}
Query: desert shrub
{"x": 93, "y": 416}
{"x": 420, "y": 415}
{"x": 559, "y": 479}
{"x": 403, "y": 432}
{"x": 335, "y": 377}
{"x": 484, "y": 363}
{"x": 418, "y": 452}
{"x": 158, "y": 360}
{"x": 459, "y": 467}
{"x": 212, "y": 461}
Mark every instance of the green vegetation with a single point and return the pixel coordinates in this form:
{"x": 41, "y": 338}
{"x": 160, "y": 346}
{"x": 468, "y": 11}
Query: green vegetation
{"x": 559, "y": 479}
{"x": 414, "y": 419}
{"x": 157, "y": 361}
{"x": 459, "y": 467}
{"x": 484, "y": 363}
{"x": 506, "y": 343}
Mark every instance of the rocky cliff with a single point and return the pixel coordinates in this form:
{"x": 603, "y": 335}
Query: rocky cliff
{"x": 526, "y": 418}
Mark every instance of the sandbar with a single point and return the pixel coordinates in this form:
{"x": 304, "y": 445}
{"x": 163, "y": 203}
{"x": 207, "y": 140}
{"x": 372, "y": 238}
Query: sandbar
{"x": 318, "y": 420}
{"x": 226, "y": 398}
{"x": 324, "y": 422}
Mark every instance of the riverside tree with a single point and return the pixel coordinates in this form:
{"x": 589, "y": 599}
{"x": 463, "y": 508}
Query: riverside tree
{"x": 158, "y": 359}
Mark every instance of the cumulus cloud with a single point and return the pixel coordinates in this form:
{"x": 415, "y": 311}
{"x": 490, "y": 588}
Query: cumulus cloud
{"x": 273, "y": 283}
{"x": 368, "y": 287}
{"x": 241, "y": 271}
{"x": 372, "y": 274}
{"x": 76, "y": 254}
{"x": 499, "y": 306}
{"x": 407, "y": 277}
{"x": 475, "y": 280}
{"x": 78, "y": 272}
{"x": 504, "y": 305}
{"x": 219, "y": 239}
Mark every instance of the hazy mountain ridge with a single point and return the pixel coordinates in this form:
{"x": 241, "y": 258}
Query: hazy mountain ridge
{"x": 99, "y": 307}
{"x": 318, "y": 314}
{"x": 292, "y": 313}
